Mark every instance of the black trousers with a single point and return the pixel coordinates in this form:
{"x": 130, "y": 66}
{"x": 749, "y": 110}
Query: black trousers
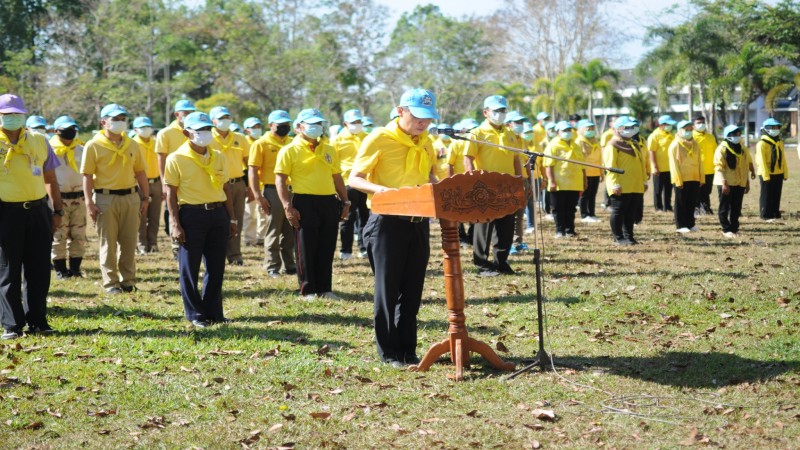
{"x": 206, "y": 239}
{"x": 662, "y": 191}
{"x": 25, "y": 240}
{"x": 315, "y": 241}
{"x": 730, "y": 208}
{"x": 770, "y": 200}
{"x": 398, "y": 252}
{"x": 704, "y": 197}
{"x": 587, "y": 201}
{"x": 356, "y": 219}
{"x": 685, "y": 200}
{"x": 564, "y": 203}
{"x": 624, "y": 210}
{"x": 466, "y": 235}
{"x": 496, "y": 235}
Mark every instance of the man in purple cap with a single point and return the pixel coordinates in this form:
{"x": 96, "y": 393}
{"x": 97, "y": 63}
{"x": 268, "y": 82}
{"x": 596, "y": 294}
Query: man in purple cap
{"x": 26, "y": 222}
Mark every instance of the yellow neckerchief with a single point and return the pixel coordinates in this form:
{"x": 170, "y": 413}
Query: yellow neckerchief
{"x": 207, "y": 167}
{"x": 14, "y": 148}
{"x": 121, "y": 151}
{"x": 689, "y": 150}
{"x": 392, "y": 130}
{"x": 225, "y": 143}
{"x": 66, "y": 151}
{"x": 778, "y": 150}
{"x": 731, "y": 150}
{"x": 317, "y": 149}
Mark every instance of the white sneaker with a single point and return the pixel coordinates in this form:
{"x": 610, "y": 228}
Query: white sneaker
{"x": 345, "y": 256}
{"x": 362, "y": 254}
{"x": 329, "y": 295}
{"x": 729, "y": 234}
{"x": 595, "y": 219}
{"x": 682, "y": 230}
{"x": 695, "y": 229}
{"x": 549, "y": 217}
{"x": 308, "y": 297}
{"x": 529, "y": 230}
{"x": 587, "y": 220}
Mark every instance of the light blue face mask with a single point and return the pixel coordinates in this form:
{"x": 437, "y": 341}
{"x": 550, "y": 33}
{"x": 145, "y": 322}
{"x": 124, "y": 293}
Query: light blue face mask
{"x": 313, "y": 130}
{"x": 590, "y": 134}
{"x": 566, "y": 135}
{"x": 13, "y": 122}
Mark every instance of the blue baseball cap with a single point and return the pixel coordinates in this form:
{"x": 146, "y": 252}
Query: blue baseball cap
{"x": 235, "y": 127}
{"x": 585, "y": 123}
{"x": 393, "y": 114}
{"x": 367, "y": 120}
{"x": 771, "y": 123}
{"x": 36, "y": 122}
{"x": 113, "y": 110}
{"x": 443, "y": 126}
{"x": 730, "y": 129}
{"x": 514, "y": 116}
{"x": 683, "y": 123}
{"x": 250, "y": 122}
{"x": 563, "y": 125}
{"x": 64, "y": 122}
{"x": 469, "y": 124}
{"x": 624, "y": 121}
{"x": 184, "y": 105}
{"x": 495, "y": 102}
{"x": 141, "y": 122}
{"x": 666, "y": 119}
{"x": 542, "y": 116}
{"x": 12, "y": 104}
{"x": 420, "y": 102}
{"x": 279, "y": 116}
{"x": 353, "y": 115}
{"x": 197, "y": 120}
{"x": 310, "y": 115}
{"x": 549, "y": 125}
{"x": 527, "y": 127}
{"x": 218, "y": 111}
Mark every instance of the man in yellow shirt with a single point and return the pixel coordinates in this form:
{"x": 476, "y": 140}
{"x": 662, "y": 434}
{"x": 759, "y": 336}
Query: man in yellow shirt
{"x": 441, "y": 145}
{"x": 590, "y": 147}
{"x": 369, "y": 125}
{"x": 539, "y": 131}
{"x": 117, "y": 193}
{"x": 455, "y": 163}
{"x": 708, "y": 145}
{"x": 347, "y": 142}
{"x": 565, "y": 181}
{"x": 609, "y": 132}
{"x": 255, "y": 222}
{"x": 731, "y": 163}
{"x": 235, "y": 148}
{"x": 313, "y": 208}
{"x": 398, "y": 246}
{"x": 197, "y": 198}
{"x": 625, "y": 190}
{"x": 529, "y": 138}
{"x": 26, "y": 223}
{"x": 69, "y": 240}
{"x": 492, "y": 159}
{"x": 279, "y": 240}
{"x": 550, "y": 134}
{"x": 148, "y": 228}
{"x": 515, "y": 123}
{"x": 686, "y": 173}
{"x": 772, "y": 169}
{"x": 658, "y": 145}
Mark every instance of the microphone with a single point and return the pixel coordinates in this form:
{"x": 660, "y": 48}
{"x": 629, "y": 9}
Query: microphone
{"x": 452, "y": 133}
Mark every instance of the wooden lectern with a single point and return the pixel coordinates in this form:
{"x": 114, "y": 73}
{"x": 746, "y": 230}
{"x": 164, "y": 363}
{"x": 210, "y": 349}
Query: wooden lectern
{"x": 476, "y": 197}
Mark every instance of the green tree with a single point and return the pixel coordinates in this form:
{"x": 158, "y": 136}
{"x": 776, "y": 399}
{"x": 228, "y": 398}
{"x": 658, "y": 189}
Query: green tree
{"x": 593, "y": 78}
{"x": 641, "y": 106}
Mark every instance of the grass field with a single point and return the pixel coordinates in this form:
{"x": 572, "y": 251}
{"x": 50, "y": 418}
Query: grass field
{"x": 680, "y": 341}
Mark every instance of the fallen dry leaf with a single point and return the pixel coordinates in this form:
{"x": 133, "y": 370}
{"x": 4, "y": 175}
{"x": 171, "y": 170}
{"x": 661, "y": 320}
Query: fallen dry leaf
{"x": 321, "y": 415}
{"x": 544, "y": 414}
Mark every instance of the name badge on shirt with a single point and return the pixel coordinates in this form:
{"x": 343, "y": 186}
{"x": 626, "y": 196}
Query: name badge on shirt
{"x": 36, "y": 170}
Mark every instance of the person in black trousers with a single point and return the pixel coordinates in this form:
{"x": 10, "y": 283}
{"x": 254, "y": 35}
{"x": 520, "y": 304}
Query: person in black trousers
{"x": 731, "y": 164}
{"x": 772, "y": 169}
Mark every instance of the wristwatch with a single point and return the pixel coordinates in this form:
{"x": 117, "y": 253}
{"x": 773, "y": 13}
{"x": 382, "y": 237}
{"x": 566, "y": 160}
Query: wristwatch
{"x": 58, "y": 212}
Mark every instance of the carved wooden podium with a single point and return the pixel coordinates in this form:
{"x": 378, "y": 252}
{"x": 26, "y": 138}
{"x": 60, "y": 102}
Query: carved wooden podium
{"x": 476, "y": 197}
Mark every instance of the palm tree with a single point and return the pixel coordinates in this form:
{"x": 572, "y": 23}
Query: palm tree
{"x": 641, "y": 105}
{"x": 593, "y": 78}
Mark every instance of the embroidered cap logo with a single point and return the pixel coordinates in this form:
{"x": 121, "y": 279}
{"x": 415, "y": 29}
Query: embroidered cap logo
{"x": 427, "y": 101}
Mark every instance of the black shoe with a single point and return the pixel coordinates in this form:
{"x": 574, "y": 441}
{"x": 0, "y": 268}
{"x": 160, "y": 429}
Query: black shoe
{"x": 412, "y": 359}
{"x": 236, "y": 262}
{"x": 624, "y": 242}
{"x": 10, "y": 334}
{"x": 505, "y": 269}
{"x": 291, "y": 271}
{"x": 40, "y": 329}
{"x": 200, "y": 323}
{"x": 63, "y": 275}
{"x": 128, "y": 288}
{"x": 220, "y": 321}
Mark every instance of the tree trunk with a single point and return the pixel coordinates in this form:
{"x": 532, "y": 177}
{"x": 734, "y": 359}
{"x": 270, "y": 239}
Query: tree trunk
{"x": 747, "y": 121}
{"x": 691, "y": 100}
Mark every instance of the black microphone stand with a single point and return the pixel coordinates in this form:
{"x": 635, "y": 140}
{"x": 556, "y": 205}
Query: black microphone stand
{"x": 542, "y": 360}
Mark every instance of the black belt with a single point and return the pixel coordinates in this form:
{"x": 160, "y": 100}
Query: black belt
{"x": 132, "y": 190}
{"x": 25, "y": 205}
{"x": 235, "y": 180}
{"x": 71, "y": 195}
{"x": 154, "y": 180}
{"x": 206, "y": 206}
{"x": 412, "y": 219}
{"x": 271, "y": 186}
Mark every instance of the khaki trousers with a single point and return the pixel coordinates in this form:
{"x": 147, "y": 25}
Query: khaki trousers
{"x": 279, "y": 242}
{"x": 69, "y": 240}
{"x": 148, "y": 226}
{"x": 117, "y": 229}
{"x": 255, "y": 224}
{"x": 238, "y": 192}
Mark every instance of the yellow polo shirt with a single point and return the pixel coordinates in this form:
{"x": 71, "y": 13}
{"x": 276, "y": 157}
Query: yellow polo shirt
{"x": 708, "y": 145}
{"x": 763, "y": 159}
{"x": 568, "y": 177}
{"x": 194, "y": 183}
{"x": 591, "y": 154}
{"x": 264, "y": 154}
{"x": 633, "y": 160}
{"x": 346, "y": 145}
{"x": 658, "y": 142}
{"x": 455, "y": 156}
{"x": 310, "y": 170}
{"x": 606, "y": 136}
{"x": 148, "y": 149}
{"x": 22, "y": 176}
{"x": 493, "y": 159}
{"x": 384, "y": 158}
{"x": 113, "y": 167}
{"x": 441, "y": 165}
{"x": 723, "y": 172}
{"x": 234, "y": 147}
{"x": 685, "y": 162}
{"x": 539, "y": 133}
{"x": 170, "y": 138}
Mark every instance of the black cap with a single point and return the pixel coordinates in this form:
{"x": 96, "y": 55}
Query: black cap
{"x": 699, "y": 116}
{"x": 574, "y": 117}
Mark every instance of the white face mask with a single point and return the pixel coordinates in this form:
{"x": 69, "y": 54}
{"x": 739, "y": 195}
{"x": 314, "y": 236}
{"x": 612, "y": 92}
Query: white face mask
{"x": 255, "y": 133}
{"x": 312, "y": 130}
{"x": 551, "y": 134}
{"x": 40, "y": 131}
{"x": 355, "y": 128}
{"x": 686, "y": 134}
{"x": 202, "y": 138}
{"x": 566, "y": 135}
{"x": 774, "y": 133}
{"x": 701, "y": 127}
{"x": 145, "y": 132}
{"x": 497, "y": 118}
{"x": 627, "y": 133}
{"x": 667, "y": 128}
{"x": 517, "y": 128}
{"x": 733, "y": 139}
{"x": 224, "y": 124}
{"x": 635, "y": 131}
{"x": 117, "y": 127}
